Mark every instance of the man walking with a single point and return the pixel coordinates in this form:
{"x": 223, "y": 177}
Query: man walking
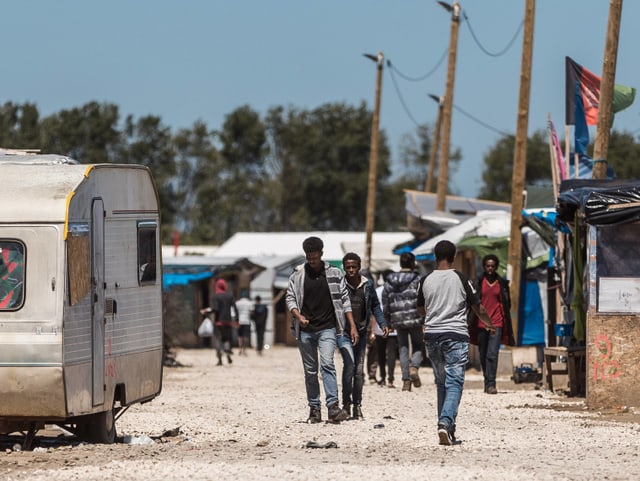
{"x": 443, "y": 297}
{"x": 259, "y": 317}
{"x": 364, "y": 304}
{"x": 319, "y": 304}
{"x": 399, "y": 304}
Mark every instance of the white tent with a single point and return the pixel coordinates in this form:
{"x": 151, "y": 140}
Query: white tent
{"x": 487, "y": 223}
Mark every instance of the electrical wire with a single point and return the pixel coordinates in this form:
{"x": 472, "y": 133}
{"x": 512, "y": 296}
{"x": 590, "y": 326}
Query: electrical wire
{"x": 484, "y": 124}
{"x": 422, "y": 77}
{"x": 402, "y": 102}
{"x": 501, "y": 52}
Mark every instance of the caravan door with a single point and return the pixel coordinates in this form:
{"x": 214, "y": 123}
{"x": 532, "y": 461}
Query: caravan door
{"x": 97, "y": 300}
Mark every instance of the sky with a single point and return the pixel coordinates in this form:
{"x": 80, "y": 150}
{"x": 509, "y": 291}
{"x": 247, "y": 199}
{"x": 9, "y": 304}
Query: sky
{"x": 192, "y": 60}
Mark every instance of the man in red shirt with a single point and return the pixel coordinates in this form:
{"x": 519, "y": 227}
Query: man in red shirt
{"x": 493, "y": 291}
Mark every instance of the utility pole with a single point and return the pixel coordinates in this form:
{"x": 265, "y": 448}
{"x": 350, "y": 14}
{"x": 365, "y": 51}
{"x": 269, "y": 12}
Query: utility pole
{"x": 435, "y": 144}
{"x": 520, "y": 164}
{"x": 373, "y": 160}
{"x": 443, "y": 171}
{"x": 601, "y": 148}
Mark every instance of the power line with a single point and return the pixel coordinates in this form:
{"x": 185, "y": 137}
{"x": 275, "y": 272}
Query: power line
{"x": 402, "y": 102}
{"x": 422, "y": 77}
{"x": 501, "y": 52}
{"x": 484, "y": 124}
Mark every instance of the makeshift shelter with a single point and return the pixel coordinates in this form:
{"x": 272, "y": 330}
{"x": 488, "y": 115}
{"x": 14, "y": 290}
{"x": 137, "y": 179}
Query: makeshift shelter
{"x": 604, "y": 218}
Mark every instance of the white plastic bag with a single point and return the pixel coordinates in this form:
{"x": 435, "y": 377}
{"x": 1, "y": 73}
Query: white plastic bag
{"x": 206, "y": 328}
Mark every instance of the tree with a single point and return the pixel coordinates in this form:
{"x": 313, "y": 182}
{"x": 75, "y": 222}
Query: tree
{"x": 498, "y": 164}
{"x": 149, "y": 142}
{"x": 322, "y": 166}
{"x": 19, "y": 126}
{"x": 88, "y": 134}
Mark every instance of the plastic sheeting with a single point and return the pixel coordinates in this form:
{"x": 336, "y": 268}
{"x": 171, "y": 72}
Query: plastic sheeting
{"x": 602, "y": 202}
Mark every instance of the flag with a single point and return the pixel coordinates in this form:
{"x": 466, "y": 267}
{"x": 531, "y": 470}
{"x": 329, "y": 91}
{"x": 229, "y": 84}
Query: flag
{"x": 589, "y": 84}
{"x": 581, "y": 131}
{"x": 559, "y": 156}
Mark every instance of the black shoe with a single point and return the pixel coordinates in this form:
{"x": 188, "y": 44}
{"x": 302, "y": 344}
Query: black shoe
{"x": 315, "y": 416}
{"x": 219, "y": 362}
{"x": 357, "y": 412}
{"x": 229, "y": 360}
{"x": 444, "y": 435}
{"x": 336, "y": 414}
{"x": 346, "y": 407}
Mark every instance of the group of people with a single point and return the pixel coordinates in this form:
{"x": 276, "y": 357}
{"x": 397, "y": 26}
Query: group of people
{"x": 229, "y": 313}
{"x": 332, "y": 310}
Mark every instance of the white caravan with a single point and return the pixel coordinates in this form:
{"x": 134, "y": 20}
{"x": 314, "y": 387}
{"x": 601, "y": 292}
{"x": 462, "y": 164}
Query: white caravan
{"x": 80, "y": 295}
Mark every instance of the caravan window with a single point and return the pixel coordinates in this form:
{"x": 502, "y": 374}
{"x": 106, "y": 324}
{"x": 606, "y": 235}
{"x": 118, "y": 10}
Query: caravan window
{"x": 147, "y": 232}
{"x": 12, "y": 259}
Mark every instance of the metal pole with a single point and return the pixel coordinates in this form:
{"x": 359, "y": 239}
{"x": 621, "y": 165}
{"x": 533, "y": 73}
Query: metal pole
{"x": 601, "y": 147}
{"x": 520, "y": 165}
{"x": 373, "y": 161}
{"x": 443, "y": 171}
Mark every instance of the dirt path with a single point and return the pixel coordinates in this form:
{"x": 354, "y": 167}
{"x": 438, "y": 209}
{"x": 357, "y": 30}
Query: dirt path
{"x": 246, "y": 421}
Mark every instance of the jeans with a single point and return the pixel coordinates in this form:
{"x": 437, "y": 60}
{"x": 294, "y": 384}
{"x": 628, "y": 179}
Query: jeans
{"x": 415, "y": 333}
{"x": 387, "y": 349}
{"x": 353, "y": 369}
{"x": 489, "y": 347}
{"x": 449, "y": 360}
{"x": 309, "y": 345}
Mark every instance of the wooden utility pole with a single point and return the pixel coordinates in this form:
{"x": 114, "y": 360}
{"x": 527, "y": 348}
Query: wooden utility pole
{"x": 443, "y": 171}
{"x": 435, "y": 144}
{"x": 373, "y": 160}
{"x": 520, "y": 164}
{"x": 601, "y": 148}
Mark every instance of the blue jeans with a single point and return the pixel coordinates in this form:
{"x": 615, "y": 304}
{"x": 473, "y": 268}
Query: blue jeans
{"x": 449, "y": 360}
{"x": 489, "y": 348}
{"x": 309, "y": 345}
{"x": 415, "y": 333}
{"x": 353, "y": 369}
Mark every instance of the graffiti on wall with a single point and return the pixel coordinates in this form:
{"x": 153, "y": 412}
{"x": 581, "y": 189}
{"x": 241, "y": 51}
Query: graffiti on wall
{"x": 604, "y": 365}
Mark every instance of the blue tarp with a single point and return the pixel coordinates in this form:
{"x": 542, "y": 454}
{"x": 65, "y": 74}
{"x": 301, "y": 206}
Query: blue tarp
{"x": 182, "y": 279}
{"x": 531, "y": 317}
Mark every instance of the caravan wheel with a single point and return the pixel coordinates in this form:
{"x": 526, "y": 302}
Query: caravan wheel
{"x": 99, "y": 427}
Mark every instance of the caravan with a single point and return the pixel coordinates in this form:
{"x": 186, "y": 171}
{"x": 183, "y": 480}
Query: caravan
{"x": 80, "y": 293}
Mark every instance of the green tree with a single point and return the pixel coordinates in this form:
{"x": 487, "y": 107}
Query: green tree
{"x": 321, "y": 160}
{"x": 149, "y": 142}
{"x": 19, "y": 126}
{"x": 498, "y": 166}
{"x": 88, "y": 134}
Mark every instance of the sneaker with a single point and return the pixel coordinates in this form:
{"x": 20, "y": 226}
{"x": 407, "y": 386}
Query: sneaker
{"x": 315, "y": 416}
{"x": 357, "y": 412}
{"x": 415, "y": 378}
{"x": 336, "y": 414}
{"x": 444, "y": 435}
{"x": 491, "y": 390}
{"x": 229, "y": 360}
{"x": 406, "y": 385}
{"x": 390, "y": 385}
{"x": 346, "y": 407}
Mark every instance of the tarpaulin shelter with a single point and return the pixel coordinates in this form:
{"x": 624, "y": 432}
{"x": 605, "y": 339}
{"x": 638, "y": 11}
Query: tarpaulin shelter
{"x": 604, "y": 217}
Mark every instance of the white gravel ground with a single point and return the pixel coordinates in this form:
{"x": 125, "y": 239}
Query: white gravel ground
{"x": 246, "y": 421}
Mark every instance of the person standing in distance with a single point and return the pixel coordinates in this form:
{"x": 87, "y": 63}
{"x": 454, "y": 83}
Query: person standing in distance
{"x": 493, "y": 292}
{"x": 259, "y": 318}
{"x": 319, "y": 304}
{"x": 443, "y": 297}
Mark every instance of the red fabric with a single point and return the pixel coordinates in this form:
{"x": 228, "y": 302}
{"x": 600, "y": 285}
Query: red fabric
{"x": 491, "y": 302}
{"x": 221, "y": 286}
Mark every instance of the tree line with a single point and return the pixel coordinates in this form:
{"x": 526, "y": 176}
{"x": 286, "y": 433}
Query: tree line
{"x": 289, "y": 170}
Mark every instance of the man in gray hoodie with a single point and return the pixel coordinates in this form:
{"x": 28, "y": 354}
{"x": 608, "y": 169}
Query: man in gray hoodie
{"x": 399, "y": 304}
{"x": 320, "y": 307}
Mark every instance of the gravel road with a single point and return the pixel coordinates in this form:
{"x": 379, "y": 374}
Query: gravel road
{"x": 246, "y": 421}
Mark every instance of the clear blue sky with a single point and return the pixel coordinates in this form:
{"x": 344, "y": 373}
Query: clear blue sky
{"x": 200, "y": 59}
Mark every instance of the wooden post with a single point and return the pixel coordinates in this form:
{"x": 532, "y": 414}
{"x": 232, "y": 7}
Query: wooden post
{"x": 373, "y": 161}
{"x": 520, "y": 165}
{"x": 435, "y": 144}
{"x": 601, "y": 147}
{"x": 443, "y": 171}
